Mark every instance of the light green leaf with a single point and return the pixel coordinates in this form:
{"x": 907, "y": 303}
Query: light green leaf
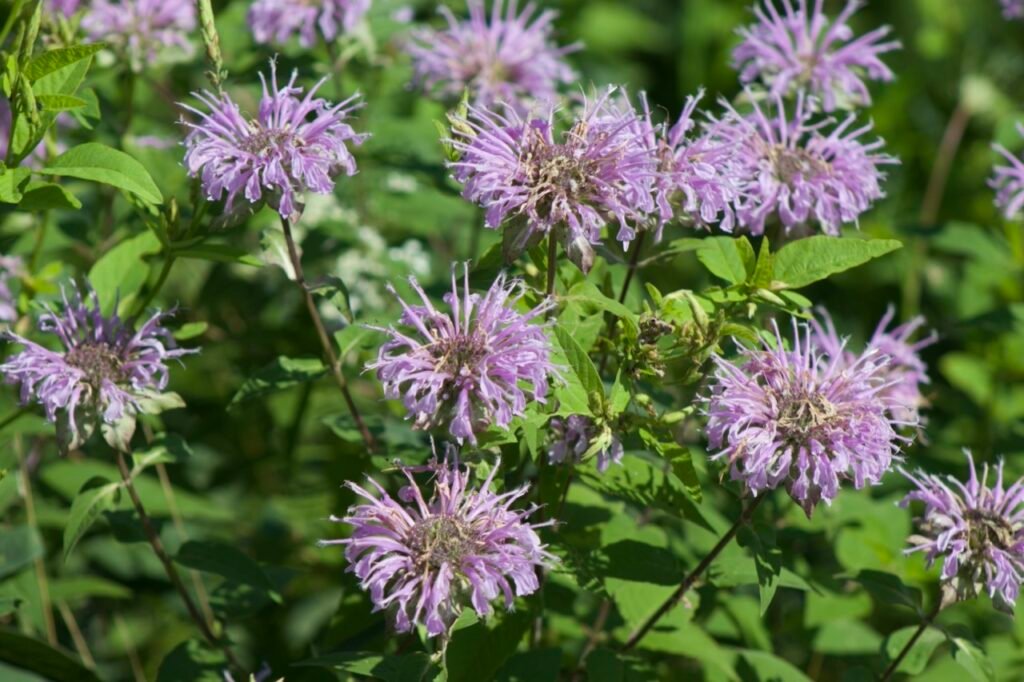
{"x": 11, "y": 184}
{"x": 972, "y": 658}
{"x": 60, "y": 102}
{"x": 809, "y": 260}
{"x": 96, "y": 496}
{"x": 19, "y": 547}
{"x": 53, "y": 60}
{"x": 100, "y": 163}
{"x": 121, "y": 272}
{"x": 730, "y": 258}
{"x": 282, "y": 373}
{"x": 917, "y": 658}
{"x": 581, "y": 364}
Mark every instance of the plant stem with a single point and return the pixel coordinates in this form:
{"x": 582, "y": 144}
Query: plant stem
{"x": 325, "y": 341}
{"x": 925, "y": 623}
{"x": 552, "y": 263}
{"x": 168, "y": 564}
{"x": 634, "y": 258}
{"x": 39, "y": 564}
{"x": 165, "y": 272}
{"x": 12, "y": 417}
{"x": 692, "y": 577}
{"x": 76, "y": 636}
{"x": 951, "y": 138}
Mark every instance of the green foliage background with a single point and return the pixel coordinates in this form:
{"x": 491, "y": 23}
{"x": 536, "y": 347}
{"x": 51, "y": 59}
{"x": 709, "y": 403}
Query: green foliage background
{"x": 264, "y": 462}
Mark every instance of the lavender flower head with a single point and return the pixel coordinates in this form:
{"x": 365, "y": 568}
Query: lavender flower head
{"x": 297, "y": 142}
{"x": 795, "y": 172}
{"x": 508, "y": 58}
{"x": 143, "y": 29}
{"x": 576, "y": 438}
{"x": 1008, "y": 181}
{"x": 978, "y": 532}
{"x": 65, "y": 7}
{"x": 276, "y": 21}
{"x": 521, "y": 172}
{"x": 469, "y": 368}
{"x": 695, "y": 173}
{"x": 904, "y": 374}
{"x": 10, "y": 268}
{"x": 800, "y": 49}
{"x": 425, "y": 559}
{"x": 801, "y": 419}
{"x": 106, "y": 370}
{"x": 1012, "y": 9}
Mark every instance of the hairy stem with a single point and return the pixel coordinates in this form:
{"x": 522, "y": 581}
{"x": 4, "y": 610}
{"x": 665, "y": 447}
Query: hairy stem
{"x": 172, "y": 573}
{"x": 552, "y": 263}
{"x": 634, "y": 258}
{"x": 693, "y": 575}
{"x": 325, "y": 341}
{"x": 925, "y": 624}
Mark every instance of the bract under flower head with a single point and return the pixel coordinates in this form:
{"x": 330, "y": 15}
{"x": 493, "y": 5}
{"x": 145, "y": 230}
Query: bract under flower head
{"x": 424, "y": 560}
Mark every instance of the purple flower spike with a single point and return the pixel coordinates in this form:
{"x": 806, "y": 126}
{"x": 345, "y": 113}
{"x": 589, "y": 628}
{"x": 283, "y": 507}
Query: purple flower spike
{"x": 276, "y": 21}
{"x": 106, "y": 370}
{"x": 695, "y": 175}
{"x": 1008, "y": 181}
{"x": 297, "y": 143}
{"x": 468, "y": 368}
{"x": 801, "y": 419}
{"x": 978, "y": 532}
{"x": 65, "y": 7}
{"x": 574, "y": 437}
{"x": 425, "y": 559}
{"x": 142, "y": 28}
{"x": 1012, "y": 9}
{"x": 10, "y": 268}
{"x": 904, "y": 374}
{"x": 794, "y": 171}
{"x": 601, "y": 170}
{"x": 506, "y": 59}
{"x": 797, "y": 49}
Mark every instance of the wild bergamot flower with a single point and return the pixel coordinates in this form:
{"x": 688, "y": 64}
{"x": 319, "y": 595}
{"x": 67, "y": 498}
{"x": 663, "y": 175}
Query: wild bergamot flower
{"x": 276, "y": 21}
{"x": 296, "y": 143}
{"x": 470, "y": 368}
{"x": 424, "y": 560}
{"x": 801, "y": 419}
{"x": 1008, "y": 181}
{"x": 977, "y": 531}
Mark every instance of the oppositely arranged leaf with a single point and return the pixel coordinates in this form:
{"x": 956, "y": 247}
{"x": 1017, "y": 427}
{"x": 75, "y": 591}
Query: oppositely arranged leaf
{"x": 60, "y": 102}
{"x": 12, "y": 184}
{"x": 581, "y": 364}
{"x": 730, "y": 258}
{"x": 193, "y": 661}
{"x": 34, "y": 656}
{"x": 46, "y": 196}
{"x": 809, "y": 260}
{"x": 96, "y": 496}
{"x": 889, "y": 589}
{"x": 405, "y": 668}
{"x": 19, "y": 547}
{"x": 917, "y": 658}
{"x": 226, "y": 561}
{"x": 53, "y": 60}
{"x": 973, "y": 659}
{"x": 767, "y": 562}
{"x": 218, "y": 253}
{"x": 121, "y": 272}
{"x": 282, "y": 373}
{"x": 100, "y": 163}
{"x": 498, "y": 638}
{"x": 166, "y": 448}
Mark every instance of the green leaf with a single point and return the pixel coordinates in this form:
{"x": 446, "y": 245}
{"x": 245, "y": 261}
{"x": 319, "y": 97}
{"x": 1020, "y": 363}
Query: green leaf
{"x": 96, "y": 496}
{"x": 846, "y": 637}
{"x": 809, "y": 260}
{"x": 46, "y": 196}
{"x": 583, "y": 367}
{"x": 641, "y": 483}
{"x": 121, "y": 272}
{"x": 681, "y": 460}
{"x": 81, "y": 587}
{"x": 538, "y": 665}
{"x": 193, "y": 661}
{"x": 767, "y": 562}
{"x": 972, "y": 658}
{"x": 499, "y": 641}
{"x": 218, "y": 253}
{"x": 408, "y": 668}
{"x": 11, "y": 184}
{"x": 888, "y": 589}
{"x": 19, "y": 547}
{"x": 166, "y": 448}
{"x": 191, "y": 330}
{"x": 60, "y": 102}
{"x": 35, "y": 656}
{"x": 100, "y": 163}
{"x": 729, "y": 258}
{"x": 53, "y": 60}
{"x": 917, "y": 658}
{"x": 226, "y": 561}
{"x": 586, "y": 294}
{"x": 282, "y": 373}
{"x": 766, "y": 666}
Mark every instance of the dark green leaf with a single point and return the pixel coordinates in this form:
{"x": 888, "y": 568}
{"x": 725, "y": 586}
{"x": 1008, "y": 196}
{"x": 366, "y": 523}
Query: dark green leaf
{"x": 972, "y": 658}
{"x": 100, "y": 163}
{"x": 35, "y": 656}
{"x": 407, "y": 668}
{"x": 96, "y": 496}
{"x": 917, "y": 658}
{"x": 767, "y": 562}
{"x": 193, "y": 661}
{"x": 46, "y": 196}
{"x": 499, "y": 640}
{"x": 581, "y": 364}
{"x": 218, "y": 253}
{"x": 19, "y": 547}
{"x": 809, "y": 260}
{"x": 282, "y": 373}
{"x": 226, "y": 561}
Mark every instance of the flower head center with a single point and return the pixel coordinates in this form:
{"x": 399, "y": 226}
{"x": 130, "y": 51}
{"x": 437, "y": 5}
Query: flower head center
{"x": 98, "y": 361}
{"x": 462, "y": 352}
{"x": 262, "y": 141}
{"x": 986, "y": 529}
{"x": 804, "y": 416}
{"x": 440, "y": 540}
{"x": 790, "y": 164}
